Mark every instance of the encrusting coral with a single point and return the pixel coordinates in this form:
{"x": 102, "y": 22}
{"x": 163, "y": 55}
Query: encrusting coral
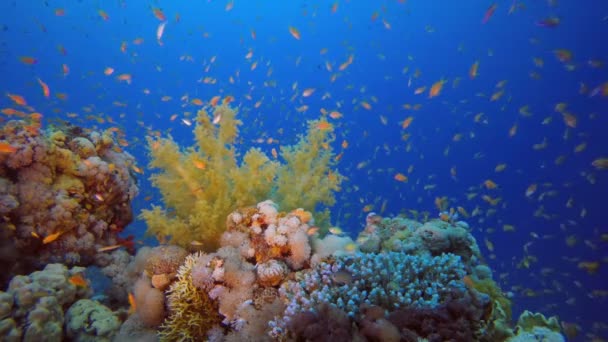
{"x": 202, "y": 184}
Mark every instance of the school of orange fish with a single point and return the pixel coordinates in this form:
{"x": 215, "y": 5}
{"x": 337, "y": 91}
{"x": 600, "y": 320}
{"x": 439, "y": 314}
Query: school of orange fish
{"x": 481, "y": 204}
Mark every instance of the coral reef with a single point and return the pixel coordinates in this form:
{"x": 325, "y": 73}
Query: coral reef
{"x": 32, "y": 308}
{"x": 64, "y": 193}
{"x": 203, "y": 184}
{"x": 273, "y": 278}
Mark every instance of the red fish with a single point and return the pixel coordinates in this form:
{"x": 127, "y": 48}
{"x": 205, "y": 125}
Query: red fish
{"x": 489, "y": 13}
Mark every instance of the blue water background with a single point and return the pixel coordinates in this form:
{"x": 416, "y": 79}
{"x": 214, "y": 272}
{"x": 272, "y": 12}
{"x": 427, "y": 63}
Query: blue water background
{"x": 441, "y": 39}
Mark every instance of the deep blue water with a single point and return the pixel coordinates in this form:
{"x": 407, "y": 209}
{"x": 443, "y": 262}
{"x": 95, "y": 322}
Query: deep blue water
{"x": 390, "y": 42}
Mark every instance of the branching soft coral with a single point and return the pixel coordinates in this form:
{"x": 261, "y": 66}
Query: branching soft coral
{"x": 306, "y": 179}
{"x": 204, "y": 183}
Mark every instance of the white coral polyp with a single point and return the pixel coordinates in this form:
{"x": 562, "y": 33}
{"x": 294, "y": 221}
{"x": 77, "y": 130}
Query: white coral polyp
{"x": 218, "y": 274}
{"x": 237, "y": 218}
{"x": 269, "y": 210}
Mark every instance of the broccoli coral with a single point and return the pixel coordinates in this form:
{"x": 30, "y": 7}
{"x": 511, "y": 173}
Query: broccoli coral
{"x": 201, "y": 185}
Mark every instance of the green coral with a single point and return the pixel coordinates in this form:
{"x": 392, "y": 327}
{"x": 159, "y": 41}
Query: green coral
{"x": 204, "y": 183}
{"x": 191, "y": 312}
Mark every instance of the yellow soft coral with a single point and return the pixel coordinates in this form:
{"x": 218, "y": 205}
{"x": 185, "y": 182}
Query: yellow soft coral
{"x": 204, "y": 183}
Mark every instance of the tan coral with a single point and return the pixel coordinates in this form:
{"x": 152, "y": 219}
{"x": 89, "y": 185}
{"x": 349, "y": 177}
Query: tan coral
{"x": 162, "y": 281}
{"x": 272, "y": 272}
{"x": 165, "y": 259}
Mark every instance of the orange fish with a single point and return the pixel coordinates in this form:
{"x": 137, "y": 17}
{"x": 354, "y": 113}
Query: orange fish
{"x": 45, "y": 88}
{"x": 132, "y": 305}
{"x": 366, "y": 105}
{"x": 18, "y": 99}
{"x": 214, "y": 100}
{"x": 407, "y": 122}
{"x": 308, "y": 92}
{"x": 436, "y": 88}
{"x": 335, "y": 115}
{"x": 124, "y": 78}
{"x": 473, "y": 70}
{"x": 294, "y": 32}
{"x": 400, "y": 177}
{"x": 78, "y": 281}
{"x": 197, "y": 102}
{"x": 324, "y": 126}
{"x": 108, "y": 71}
{"x": 51, "y": 238}
{"x": 229, "y": 6}
{"x": 158, "y": 13}
{"x": 199, "y": 164}
{"x": 103, "y": 14}
{"x": 60, "y": 12}
{"x": 28, "y": 60}
{"x": 7, "y": 148}
{"x": 65, "y": 69}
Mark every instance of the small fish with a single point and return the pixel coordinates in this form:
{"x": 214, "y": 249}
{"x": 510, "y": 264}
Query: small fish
{"x": 342, "y": 277}
{"x": 366, "y": 105}
{"x": 51, "y": 238}
{"x": 324, "y": 126}
{"x": 436, "y": 88}
{"x": 103, "y": 14}
{"x": 531, "y": 190}
{"x": 308, "y": 92}
{"x": 108, "y": 71}
{"x": 336, "y": 231}
{"x": 158, "y": 13}
{"x": 473, "y": 70}
{"x": 28, "y": 60}
{"x": 489, "y": 13}
{"x": 78, "y": 281}
{"x": 18, "y": 99}
{"x": 312, "y": 230}
{"x": 108, "y": 248}
{"x": 489, "y": 184}
{"x": 407, "y": 122}
{"x": 549, "y": 22}
{"x": 7, "y": 148}
{"x": 600, "y": 163}
{"x": 160, "y": 30}
{"x": 400, "y": 177}
{"x": 45, "y": 88}
{"x": 294, "y": 32}
{"x": 132, "y": 305}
